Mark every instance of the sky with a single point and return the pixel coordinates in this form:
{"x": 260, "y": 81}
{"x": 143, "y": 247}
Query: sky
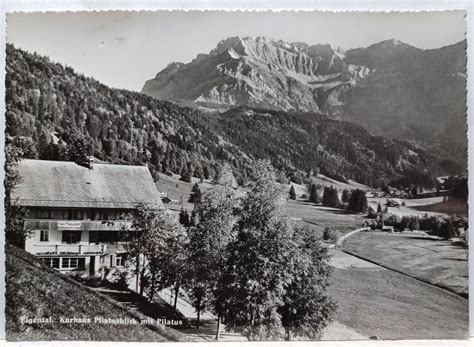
{"x": 124, "y": 49}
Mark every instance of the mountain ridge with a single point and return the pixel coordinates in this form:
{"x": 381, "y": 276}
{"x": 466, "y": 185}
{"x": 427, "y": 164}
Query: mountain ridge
{"x": 391, "y": 88}
{"x": 51, "y": 111}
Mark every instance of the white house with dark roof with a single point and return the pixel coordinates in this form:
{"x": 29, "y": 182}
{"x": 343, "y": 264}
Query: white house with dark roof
{"x": 76, "y": 212}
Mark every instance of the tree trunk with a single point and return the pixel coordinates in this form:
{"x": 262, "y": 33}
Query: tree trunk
{"x": 142, "y": 286}
{"x": 198, "y": 318}
{"x": 176, "y": 293}
{"x": 218, "y": 332}
{"x": 137, "y": 272}
{"x": 287, "y": 335}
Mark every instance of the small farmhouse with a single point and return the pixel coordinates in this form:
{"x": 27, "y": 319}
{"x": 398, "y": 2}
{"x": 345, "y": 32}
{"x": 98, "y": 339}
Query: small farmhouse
{"x": 76, "y": 212}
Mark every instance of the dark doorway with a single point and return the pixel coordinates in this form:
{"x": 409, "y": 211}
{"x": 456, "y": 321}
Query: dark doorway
{"x": 92, "y": 267}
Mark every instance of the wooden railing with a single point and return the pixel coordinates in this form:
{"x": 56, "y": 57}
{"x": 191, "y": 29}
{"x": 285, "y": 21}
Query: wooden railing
{"x": 48, "y": 224}
{"x": 68, "y": 249}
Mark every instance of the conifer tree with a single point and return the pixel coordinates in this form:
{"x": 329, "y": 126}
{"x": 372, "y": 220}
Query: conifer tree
{"x": 292, "y": 193}
{"x": 185, "y": 175}
{"x": 330, "y": 197}
{"x": 358, "y": 202}
{"x": 313, "y": 194}
{"x": 346, "y": 195}
{"x": 195, "y": 196}
{"x": 184, "y": 217}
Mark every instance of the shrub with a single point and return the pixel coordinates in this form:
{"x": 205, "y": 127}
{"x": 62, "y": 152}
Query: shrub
{"x": 330, "y": 235}
{"x": 392, "y": 220}
{"x": 413, "y": 223}
{"x": 120, "y": 278}
{"x": 296, "y": 178}
{"x": 432, "y": 224}
{"x": 448, "y": 229}
{"x": 185, "y": 176}
{"x": 404, "y": 223}
{"x": 370, "y": 213}
{"x": 304, "y": 196}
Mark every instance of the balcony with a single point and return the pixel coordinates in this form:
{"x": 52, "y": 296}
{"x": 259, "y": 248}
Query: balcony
{"x": 68, "y": 249}
{"x": 59, "y": 225}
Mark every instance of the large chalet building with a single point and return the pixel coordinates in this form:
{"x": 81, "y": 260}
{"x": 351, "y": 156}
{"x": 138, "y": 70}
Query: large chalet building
{"x": 76, "y": 212}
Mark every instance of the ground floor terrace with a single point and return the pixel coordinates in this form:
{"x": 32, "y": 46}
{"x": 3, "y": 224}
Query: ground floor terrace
{"x": 78, "y": 247}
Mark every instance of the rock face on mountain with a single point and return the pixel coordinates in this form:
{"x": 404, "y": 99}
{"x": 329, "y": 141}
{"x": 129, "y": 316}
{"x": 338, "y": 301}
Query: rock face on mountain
{"x": 258, "y": 72}
{"x": 391, "y": 88}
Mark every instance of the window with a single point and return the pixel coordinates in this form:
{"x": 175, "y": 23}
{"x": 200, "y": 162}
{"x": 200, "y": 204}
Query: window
{"x": 78, "y": 215}
{"x": 51, "y": 262}
{"x": 43, "y": 214}
{"x": 121, "y": 259}
{"x": 57, "y": 214}
{"x": 106, "y": 236}
{"x": 71, "y": 236}
{"x": 73, "y": 263}
{"x": 44, "y": 235}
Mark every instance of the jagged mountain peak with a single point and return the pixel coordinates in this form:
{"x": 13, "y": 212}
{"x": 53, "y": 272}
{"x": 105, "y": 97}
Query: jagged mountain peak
{"x": 256, "y": 71}
{"x": 381, "y": 86}
{"x": 248, "y": 45}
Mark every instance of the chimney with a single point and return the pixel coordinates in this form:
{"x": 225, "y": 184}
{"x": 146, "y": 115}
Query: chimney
{"x": 91, "y": 163}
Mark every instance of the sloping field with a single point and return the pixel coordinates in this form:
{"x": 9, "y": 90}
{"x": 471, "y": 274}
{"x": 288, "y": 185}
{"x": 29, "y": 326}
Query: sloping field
{"x": 374, "y": 301}
{"x": 318, "y": 217}
{"x": 36, "y": 291}
{"x": 435, "y": 261}
{"x": 178, "y": 190}
{"x": 434, "y": 206}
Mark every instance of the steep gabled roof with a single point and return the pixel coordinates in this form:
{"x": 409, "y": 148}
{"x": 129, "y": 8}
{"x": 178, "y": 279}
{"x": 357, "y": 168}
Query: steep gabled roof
{"x": 67, "y": 184}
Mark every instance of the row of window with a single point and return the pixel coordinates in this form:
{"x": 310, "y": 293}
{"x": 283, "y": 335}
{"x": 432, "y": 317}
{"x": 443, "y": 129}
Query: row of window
{"x": 74, "y": 236}
{"x": 65, "y": 263}
{"x": 80, "y": 263}
{"x": 78, "y": 214}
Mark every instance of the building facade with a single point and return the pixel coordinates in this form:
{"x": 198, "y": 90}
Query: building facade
{"x": 77, "y": 213}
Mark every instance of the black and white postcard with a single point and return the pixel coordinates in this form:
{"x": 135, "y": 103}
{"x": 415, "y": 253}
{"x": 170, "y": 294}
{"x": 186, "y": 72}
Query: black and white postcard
{"x": 202, "y": 176}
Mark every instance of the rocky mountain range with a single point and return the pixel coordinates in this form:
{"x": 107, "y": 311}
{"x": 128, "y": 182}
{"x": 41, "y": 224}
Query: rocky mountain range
{"x": 391, "y": 88}
{"x": 54, "y": 113}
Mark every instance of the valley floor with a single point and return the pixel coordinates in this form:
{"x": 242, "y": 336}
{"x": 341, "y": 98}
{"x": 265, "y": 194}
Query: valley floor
{"x": 380, "y": 288}
{"x": 439, "y": 262}
{"x": 375, "y": 301}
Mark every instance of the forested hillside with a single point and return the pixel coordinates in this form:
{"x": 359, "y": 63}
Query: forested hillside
{"x": 55, "y": 113}
{"x": 336, "y": 149}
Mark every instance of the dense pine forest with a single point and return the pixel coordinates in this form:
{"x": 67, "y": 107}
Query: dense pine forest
{"x": 55, "y": 113}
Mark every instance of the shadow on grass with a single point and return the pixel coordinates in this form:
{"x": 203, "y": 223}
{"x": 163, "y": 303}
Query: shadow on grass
{"x": 454, "y": 259}
{"x": 158, "y": 309}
